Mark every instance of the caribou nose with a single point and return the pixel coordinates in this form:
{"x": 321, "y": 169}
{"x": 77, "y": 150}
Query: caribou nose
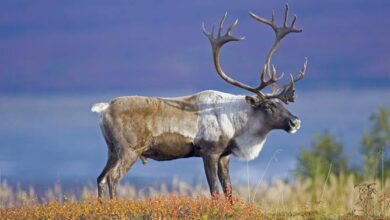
{"x": 295, "y": 123}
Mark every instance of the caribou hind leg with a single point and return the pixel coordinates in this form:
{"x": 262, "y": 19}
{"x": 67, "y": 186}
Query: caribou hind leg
{"x": 121, "y": 156}
{"x": 102, "y": 179}
{"x": 126, "y": 159}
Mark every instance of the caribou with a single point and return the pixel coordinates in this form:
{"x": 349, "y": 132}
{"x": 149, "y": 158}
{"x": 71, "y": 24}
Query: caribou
{"x": 210, "y": 124}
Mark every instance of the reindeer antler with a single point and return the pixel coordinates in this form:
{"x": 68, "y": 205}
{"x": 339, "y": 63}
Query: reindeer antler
{"x": 217, "y": 43}
{"x": 287, "y": 91}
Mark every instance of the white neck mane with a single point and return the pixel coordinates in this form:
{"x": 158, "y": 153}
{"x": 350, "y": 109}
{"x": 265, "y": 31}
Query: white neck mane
{"x": 248, "y": 149}
{"x": 229, "y": 116}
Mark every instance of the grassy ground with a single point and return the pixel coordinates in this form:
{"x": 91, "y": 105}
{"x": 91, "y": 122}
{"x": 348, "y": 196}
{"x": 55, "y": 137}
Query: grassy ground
{"x": 162, "y": 207}
{"x": 336, "y": 198}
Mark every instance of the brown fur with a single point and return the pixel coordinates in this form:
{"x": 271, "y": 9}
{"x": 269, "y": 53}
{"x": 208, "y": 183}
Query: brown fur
{"x": 135, "y": 126}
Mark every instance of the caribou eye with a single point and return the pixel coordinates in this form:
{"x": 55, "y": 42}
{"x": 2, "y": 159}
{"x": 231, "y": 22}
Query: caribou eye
{"x": 267, "y": 107}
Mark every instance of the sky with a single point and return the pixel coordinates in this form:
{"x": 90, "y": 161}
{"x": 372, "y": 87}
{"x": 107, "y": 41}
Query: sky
{"x": 96, "y": 45}
{"x": 57, "y": 58}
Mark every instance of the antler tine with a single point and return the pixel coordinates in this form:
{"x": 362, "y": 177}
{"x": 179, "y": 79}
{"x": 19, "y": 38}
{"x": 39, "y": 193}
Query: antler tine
{"x": 232, "y": 26}
{"x": 206, "y": 33}
{"x": 212, "y": 31}
{"x": 217, "y": 43}
{"x": 221, "y": 24}
{"x": 265, "y": 21}
{"x": 273, "y": 16}
{"x": 285, "y": 17}
{"x": 274, "y": 78}
{"x": 302, "y": 72}
{"x": 293, "y": 22}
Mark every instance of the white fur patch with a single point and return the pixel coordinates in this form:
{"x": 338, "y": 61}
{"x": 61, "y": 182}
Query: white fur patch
{"x": 99, "y": 107}
{"x": 222, "y": 114}
{"x": 248, "y": 148}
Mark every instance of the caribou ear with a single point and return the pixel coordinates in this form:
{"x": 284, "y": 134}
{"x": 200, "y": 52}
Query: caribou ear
{"x": 252, "y": 100}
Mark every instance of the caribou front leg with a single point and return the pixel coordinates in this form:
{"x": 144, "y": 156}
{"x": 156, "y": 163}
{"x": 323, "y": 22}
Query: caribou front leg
{"x": 211, "y": 166}
{"x": 224, "y": 178}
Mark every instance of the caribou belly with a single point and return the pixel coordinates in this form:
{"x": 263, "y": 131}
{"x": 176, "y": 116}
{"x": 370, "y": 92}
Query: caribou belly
{"x": 170, "y": 146}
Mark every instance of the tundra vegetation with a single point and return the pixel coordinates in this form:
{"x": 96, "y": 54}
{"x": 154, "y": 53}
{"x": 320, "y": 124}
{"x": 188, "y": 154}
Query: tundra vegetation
{"x": 327, "y": 186}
